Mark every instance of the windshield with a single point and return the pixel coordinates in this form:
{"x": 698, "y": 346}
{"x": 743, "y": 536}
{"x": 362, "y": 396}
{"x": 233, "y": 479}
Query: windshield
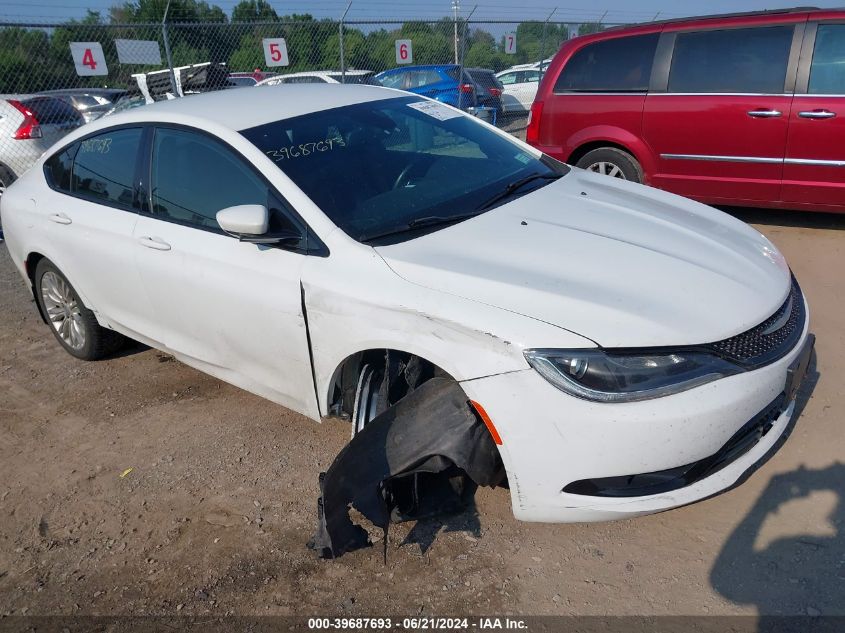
{"x": 396, "y": 167}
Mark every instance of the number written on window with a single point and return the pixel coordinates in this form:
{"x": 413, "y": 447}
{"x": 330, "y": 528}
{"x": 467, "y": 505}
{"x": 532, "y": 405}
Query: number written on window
{"x": 88, "y": 59}
{"x": 275, "y": 51}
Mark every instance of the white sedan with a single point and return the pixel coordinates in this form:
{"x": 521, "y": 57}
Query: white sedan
{"x": 519, "y": 87}
{"x": 627, "y": 350}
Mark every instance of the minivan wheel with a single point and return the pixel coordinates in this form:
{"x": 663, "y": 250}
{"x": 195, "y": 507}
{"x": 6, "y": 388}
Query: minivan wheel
{"x": 612, "y": 162}
{"x": 74, "y": 326}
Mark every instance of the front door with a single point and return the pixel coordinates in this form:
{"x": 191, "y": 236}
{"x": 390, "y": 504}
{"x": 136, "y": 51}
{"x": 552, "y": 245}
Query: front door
{"x": 231, "y": 308}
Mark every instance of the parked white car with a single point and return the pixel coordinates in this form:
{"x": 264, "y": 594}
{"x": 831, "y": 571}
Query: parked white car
{"x": 320, "y": 77}
{"x": 629, "y": 350}
{"x": 519, "y": 88}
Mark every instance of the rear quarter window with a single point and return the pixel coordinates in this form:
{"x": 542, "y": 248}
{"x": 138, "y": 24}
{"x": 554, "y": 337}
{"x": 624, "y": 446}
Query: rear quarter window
{"x": 58, "y": 168}
{"x": 622, "y": 64}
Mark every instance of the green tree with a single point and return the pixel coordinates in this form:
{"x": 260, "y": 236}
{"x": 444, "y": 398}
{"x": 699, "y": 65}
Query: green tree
{"x": 254, "y": 11}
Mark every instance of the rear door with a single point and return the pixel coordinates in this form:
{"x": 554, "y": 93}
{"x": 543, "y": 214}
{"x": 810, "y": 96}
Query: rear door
{"x": 814, "y": 169}
{"x": 91, "y": 212}
{"x": 717, "y": 114}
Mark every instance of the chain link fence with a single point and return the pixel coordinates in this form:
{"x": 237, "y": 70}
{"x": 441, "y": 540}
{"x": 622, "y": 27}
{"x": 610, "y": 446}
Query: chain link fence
{"x": 55, "y": 77}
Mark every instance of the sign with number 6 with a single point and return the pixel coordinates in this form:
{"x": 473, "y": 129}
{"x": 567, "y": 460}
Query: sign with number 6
{"x": 404, "y": 52}
{"x": 88, "y": 58}
{"x": 275, "y": 51}
{"x": 510, "y": 43}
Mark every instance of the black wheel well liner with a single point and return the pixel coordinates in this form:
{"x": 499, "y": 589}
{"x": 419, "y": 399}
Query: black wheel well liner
{"x": 344, "y": 381}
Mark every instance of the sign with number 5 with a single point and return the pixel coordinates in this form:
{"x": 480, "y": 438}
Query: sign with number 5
{"x": 88, "y": 58}
{"x": 275, "y": 51}
{"x": 510, "y": 43}
{"x": 404, "y": 52}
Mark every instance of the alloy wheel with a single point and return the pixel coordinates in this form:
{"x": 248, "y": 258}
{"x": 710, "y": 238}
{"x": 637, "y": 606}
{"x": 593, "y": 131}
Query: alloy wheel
{"x": 63, "y": 310}
{"x": 607, "y": 169}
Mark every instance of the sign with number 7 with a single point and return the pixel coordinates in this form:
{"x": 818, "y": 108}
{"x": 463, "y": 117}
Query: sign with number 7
{"x": 88, "y": 58}
{"x": 510, "y": 43}
{"x": 275, "y": 51}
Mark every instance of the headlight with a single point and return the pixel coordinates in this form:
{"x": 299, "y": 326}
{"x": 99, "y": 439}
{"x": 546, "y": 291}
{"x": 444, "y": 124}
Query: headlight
{"x": 627, "y": 377}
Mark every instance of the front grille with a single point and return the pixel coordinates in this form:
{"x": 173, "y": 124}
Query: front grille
{"x": 771, "y": 340}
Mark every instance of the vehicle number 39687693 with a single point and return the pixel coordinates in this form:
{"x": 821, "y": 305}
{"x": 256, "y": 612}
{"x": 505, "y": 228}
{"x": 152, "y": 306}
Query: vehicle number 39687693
{"x": 304, "y": 149}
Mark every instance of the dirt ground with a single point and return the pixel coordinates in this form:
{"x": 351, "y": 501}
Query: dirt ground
{"x": 214, "y": 515}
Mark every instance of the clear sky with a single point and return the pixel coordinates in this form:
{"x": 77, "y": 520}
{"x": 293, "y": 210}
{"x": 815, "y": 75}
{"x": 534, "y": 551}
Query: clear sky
{"x": 567, "y": 10}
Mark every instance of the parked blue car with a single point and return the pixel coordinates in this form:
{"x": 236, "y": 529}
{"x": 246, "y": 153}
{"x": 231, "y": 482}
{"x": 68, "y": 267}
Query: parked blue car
{"x": 438, "y": 81}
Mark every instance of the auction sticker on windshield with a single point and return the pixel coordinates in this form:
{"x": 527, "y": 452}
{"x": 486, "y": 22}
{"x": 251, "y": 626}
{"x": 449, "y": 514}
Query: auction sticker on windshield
{"x": 434, "y": 109}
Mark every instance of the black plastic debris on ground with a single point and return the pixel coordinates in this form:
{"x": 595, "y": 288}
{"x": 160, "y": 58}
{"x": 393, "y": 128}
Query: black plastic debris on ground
{"x": 421, "y": 457}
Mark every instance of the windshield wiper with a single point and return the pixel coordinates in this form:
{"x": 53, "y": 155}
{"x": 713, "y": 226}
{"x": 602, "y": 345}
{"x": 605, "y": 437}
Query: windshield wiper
{"x": 513, "y": 187}
{"x": 419, "y": 223}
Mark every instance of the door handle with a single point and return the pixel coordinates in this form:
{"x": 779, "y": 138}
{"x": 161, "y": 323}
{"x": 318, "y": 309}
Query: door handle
{"x": 155, "y": 243}
{"x": 817, "y": 114}
{"x": 764, "y": 114}
{"x": 60, "y": 218}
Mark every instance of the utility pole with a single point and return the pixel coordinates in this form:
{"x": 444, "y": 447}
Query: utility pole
{"x": 340, "y": 36}
{"x": 456, "y": 6}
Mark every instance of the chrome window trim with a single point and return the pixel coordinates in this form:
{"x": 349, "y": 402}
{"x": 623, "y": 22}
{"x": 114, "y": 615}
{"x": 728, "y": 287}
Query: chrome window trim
{"x": 756, "y": 159}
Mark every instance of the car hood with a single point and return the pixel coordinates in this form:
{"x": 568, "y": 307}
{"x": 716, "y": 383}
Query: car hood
{"x": 621, "y": 264}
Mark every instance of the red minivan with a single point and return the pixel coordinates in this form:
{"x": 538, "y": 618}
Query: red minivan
{"x": 743, "y": 109}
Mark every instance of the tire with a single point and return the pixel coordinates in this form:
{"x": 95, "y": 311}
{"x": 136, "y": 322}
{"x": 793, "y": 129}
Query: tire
{"x": 369, "y": 397}
{"x": 74, "y": 326}
{"x": 612, "y": 162}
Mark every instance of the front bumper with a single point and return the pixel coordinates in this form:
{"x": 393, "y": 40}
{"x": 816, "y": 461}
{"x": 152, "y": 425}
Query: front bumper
{"x": 551, "y": 441}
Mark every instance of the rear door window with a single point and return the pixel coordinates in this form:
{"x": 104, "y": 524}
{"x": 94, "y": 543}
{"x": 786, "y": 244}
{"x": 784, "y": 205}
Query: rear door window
{"x": 731, "y": 61}
{"x": 827, "y": 72}
{"x": 104, "y": 167}
{"x": 622, "y": 64}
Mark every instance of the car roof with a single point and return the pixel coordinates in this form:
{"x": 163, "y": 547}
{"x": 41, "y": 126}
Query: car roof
{"x": 243, "y": 109}
{"x": 720, "y": 16}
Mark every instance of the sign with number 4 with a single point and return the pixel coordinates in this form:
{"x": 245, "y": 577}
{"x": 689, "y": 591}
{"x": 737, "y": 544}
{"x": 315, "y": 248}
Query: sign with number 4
{"x": 404, "y": 52}
{"x": 510, "y": 43}
{"x": 275, "y": 51}
{"x": 88, "y": 58}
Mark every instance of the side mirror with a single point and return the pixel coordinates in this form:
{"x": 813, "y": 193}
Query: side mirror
{"x": 251, "y": 223}
{"x": 247, "y": 220}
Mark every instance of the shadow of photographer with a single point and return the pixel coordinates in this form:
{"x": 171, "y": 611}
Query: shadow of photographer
{"x": 787, "y": 556}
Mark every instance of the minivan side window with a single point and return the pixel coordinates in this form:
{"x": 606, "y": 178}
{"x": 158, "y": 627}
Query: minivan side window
{"x": 827, "y": 72}
{"x": 752, "y": 60}
{"x": 104, "y": 167}
{"x": 622, "y": 64}
{"x": 194, "y": 177}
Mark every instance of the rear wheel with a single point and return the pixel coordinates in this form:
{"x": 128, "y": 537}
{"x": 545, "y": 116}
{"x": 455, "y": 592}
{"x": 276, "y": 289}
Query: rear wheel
{"x": 74, "y": 326}
{"x": 613, "y": 162}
